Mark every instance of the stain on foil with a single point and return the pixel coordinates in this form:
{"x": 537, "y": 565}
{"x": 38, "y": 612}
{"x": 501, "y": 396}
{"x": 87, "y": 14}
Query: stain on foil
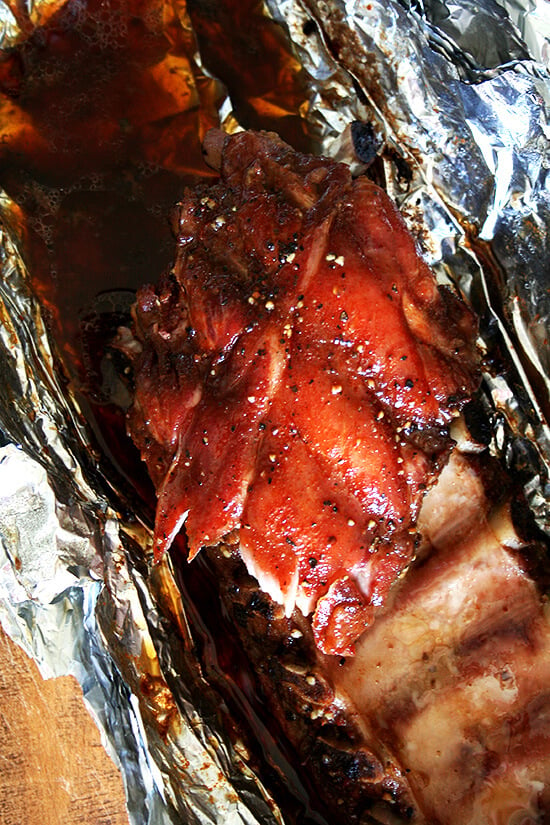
{"x": 457, "y": 122}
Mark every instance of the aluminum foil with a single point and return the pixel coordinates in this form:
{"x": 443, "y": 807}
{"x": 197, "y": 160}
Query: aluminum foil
{"x": 459, "y": 123}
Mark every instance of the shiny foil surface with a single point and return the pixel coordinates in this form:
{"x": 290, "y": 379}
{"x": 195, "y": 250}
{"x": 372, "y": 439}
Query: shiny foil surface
{"x": 455, "y": 118}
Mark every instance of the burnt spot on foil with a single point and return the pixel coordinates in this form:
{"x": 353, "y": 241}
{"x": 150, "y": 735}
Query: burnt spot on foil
{"x": 367, "y": 142}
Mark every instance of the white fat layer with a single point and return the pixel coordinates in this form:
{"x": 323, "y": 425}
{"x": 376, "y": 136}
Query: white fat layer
{"x": 304, "y": 602}
{"x": 268, "y": 582}
{"x": 362, "y": 575}
{"x": 176, "y": 528}
{"x": 289, "y": 596}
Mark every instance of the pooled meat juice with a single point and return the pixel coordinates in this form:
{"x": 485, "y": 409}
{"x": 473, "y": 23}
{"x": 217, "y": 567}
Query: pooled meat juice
{"x": 298, "y": 395}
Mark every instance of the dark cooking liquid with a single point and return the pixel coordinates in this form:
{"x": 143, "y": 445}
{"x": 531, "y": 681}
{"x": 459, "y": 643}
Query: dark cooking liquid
{"x": 102, "y": 111}
{"x": 101, "y": 130}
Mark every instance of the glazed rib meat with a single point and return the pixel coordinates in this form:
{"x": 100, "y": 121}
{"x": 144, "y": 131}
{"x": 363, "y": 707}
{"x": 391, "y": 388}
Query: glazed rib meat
{"x": 299, "y": 372}
{"x": 299, "y": 380}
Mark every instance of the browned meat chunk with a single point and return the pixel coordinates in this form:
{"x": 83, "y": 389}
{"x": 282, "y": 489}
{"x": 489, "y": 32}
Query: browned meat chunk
{"x": 299, "y": 372}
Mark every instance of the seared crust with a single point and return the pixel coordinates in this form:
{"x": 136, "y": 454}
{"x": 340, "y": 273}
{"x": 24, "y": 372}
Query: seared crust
{"x": 353, "y": 776}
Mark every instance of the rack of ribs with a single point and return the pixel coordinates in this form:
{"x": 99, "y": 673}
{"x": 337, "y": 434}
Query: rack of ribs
{"x": 300, "y": 379}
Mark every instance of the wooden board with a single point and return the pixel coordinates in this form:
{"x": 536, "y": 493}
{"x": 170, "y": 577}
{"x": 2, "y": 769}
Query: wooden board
{"x": 53, "y": 767}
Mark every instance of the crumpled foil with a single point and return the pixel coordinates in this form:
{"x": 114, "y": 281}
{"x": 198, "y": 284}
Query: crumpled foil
{"x": 452, "y": 100}
{"x": 72, "y": 601}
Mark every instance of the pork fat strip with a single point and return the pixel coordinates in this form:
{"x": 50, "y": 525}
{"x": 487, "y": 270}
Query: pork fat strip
{"x": 299, "y": 372}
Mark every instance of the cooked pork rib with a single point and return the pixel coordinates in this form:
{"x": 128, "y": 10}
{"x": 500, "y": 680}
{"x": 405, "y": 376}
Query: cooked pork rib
{"x": 299, "y": 374}
{"x": 298, "y": 377}
{"x": 442, "y": 716}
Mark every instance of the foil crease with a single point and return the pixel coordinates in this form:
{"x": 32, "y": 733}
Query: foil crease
{"x": 459, "y": 122}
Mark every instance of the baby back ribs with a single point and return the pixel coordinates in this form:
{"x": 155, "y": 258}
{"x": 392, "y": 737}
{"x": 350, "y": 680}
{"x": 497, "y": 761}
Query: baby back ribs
{"x": 297, "y": 378}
